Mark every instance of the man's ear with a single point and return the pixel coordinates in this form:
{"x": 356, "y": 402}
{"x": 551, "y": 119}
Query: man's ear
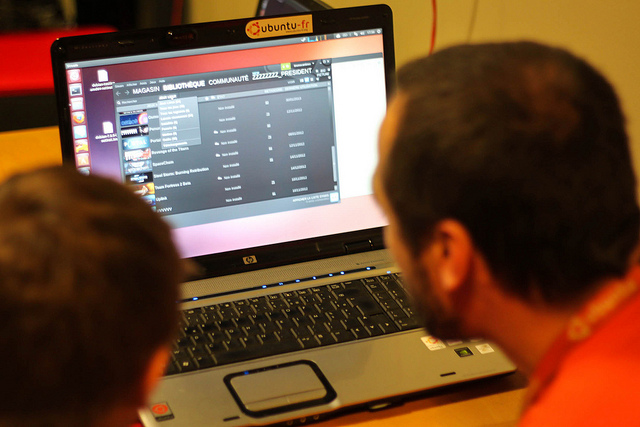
{"x": 155, "y": 370}
{"x": 449, "y": 255}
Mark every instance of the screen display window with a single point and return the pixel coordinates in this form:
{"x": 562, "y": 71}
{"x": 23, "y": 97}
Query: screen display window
{"x": 254, "y": 145}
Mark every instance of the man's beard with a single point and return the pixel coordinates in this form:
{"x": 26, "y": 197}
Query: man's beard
{"x": 430, "y": 310}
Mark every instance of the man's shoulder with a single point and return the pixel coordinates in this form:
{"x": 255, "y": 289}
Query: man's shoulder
{"x": 592, "y": 392}
{"x": 601, "y": 372}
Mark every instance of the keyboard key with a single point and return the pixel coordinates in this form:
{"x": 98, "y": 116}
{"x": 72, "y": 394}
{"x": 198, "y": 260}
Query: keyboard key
{"x": 226, "y": 324}
{"x": 291, "y": 312}
{"x": 326, "y": 306}
{"x": 374, "y": 286}
{"x": 250, "y": 330}
{"x": 323, "y": 295}
{"x": 260, "y": 305}
{"x": 250, "y": 341}
{"x": 343, "y": 335}
{"x": 242, "y": 321}
{"x": 285, "y": 324}
{"x": 191, "y": 330}
{"x": 407, "y": 323}
{"x": 398, "y": 314}
{"x": 185, "y": 364}
{"x": 319, "y": 328}
{"x": 285, "y": 346}
{"x": 199, "y": 339}
{"x": 227, "y": 311}
{"x": 388, "y": 327}
{"x": 285, "y": 335}
{"x": 302, "y": 321}
{"x": 277, "y": 303}
{"x": 335, "y": 325}
{"x": 256, "y": 352}
{"x": 235, "y": 344}
{"x": 309, "y": 342}
{"x": 351, "y": 313}
{"x": 307, "y": 300}
{"x": 171, "y": 368}
{"x": 234, "y": 356}
{"x": 325, "y": 338}
{"x": 268, "y": 338}
{"x": 360, "y": 332}
{"x": 351, "y": 323}
{"x": 334, "y": 316}
{"x": 234, "y": 333}
{"x": 216, "y": 347}
{"x": 374, "y": 330}
{"x": 217, "y": 336}
{"x": 303, "y": 332}
{"x": 316, "y": 318}
{"x": 194, "y": 319}
{"x": 268, "y": 327}
{"x": 342, "y": 304}
{"x": 244, "y": 308}
{"x": 184, "y": 342}
{"x": 204, "y": 361}
{"x": 367, "y": 306}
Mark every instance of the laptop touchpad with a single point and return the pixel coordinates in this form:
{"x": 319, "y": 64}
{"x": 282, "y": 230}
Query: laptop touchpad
{"x": 280, "y": 388}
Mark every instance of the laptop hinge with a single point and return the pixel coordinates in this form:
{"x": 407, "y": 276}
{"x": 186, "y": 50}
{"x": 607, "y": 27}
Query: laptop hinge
{"x": 356, "y": 247}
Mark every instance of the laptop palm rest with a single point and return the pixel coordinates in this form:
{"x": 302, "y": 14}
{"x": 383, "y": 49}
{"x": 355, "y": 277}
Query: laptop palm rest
{"x": 280, "y": 388}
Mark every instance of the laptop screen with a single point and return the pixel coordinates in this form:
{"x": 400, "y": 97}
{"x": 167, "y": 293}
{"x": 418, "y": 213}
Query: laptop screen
{"x": 241, "y": 145}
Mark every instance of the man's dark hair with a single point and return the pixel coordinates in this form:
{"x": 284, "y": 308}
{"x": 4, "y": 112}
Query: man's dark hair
{"x": 526, "y": 146}
{"x": 88, "y": 284}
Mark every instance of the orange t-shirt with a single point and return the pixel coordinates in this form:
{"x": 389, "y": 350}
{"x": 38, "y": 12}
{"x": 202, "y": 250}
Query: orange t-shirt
{"x": 597, "y": 382}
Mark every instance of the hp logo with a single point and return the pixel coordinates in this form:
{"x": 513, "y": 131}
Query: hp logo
{"x": 249, "y": 260}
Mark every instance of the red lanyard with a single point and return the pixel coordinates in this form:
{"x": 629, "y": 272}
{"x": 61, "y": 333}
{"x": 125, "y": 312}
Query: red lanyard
{"x": 580, "y": 327}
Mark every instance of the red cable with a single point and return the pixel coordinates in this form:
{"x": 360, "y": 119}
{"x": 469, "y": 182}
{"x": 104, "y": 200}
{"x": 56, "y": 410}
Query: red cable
{"x": 176, "y": 12}
{"x": 434, "y": 22}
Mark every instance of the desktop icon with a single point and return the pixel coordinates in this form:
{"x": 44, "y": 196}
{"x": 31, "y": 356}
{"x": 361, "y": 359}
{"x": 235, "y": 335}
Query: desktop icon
{"x": 82, "y": 159}
{"x": 75, "y": 89}
{"x": 107, "y": 127}
{"x": 77, "y": 104}
{"x": 78, "y": 117}
{"x": 74, "y": 76}
{"x": 79, "y": 132}
{"x": 81, "y": 145}
{"x": 103, "y": 76}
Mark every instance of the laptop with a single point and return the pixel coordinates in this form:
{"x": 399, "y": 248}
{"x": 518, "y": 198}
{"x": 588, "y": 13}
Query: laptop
{"x": 281, "y": 7}
{"x": 256, "y": 140}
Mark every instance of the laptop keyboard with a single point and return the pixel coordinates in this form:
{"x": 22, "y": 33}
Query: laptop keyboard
{"x": 248, "y": 329}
